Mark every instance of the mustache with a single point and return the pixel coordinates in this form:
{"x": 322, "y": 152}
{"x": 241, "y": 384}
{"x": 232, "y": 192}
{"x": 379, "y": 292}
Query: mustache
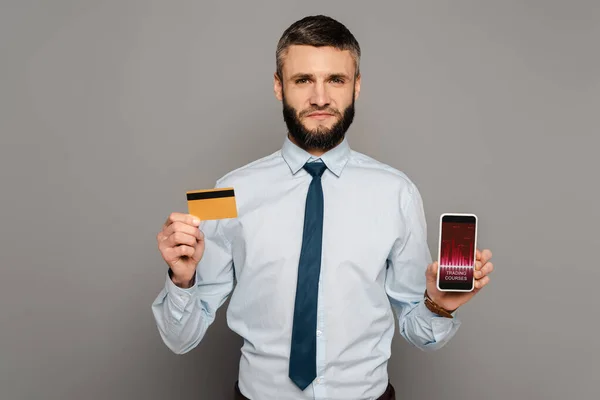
{"x": 326, "y": 109}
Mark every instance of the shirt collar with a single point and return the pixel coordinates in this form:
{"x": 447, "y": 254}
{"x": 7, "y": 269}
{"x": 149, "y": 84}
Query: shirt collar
{"x": 334, "y": 159}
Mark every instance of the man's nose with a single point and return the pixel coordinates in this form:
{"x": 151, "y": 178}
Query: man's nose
{"x": 320, "y": 95}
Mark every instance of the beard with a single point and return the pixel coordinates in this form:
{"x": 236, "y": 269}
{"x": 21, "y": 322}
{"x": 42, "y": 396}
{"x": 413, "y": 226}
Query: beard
{"x": 321, "y": 138}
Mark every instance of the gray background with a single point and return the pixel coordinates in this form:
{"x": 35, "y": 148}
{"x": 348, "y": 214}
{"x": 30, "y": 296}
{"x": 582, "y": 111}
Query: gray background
{"x": 110, "y": 111}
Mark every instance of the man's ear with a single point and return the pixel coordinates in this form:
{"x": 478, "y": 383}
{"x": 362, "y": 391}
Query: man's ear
{"x": 357, "y": 87}
{"x": 277, "y": 87}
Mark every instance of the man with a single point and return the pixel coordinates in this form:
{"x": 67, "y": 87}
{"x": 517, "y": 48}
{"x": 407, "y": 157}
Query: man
{"x": 327, "y": 242}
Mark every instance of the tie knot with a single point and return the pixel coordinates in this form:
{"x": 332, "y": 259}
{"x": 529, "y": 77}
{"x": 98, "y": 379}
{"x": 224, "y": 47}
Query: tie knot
{"x": 315, "y": 168}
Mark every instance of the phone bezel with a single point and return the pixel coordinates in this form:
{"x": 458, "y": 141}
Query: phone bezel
{"x": 440, "y": 250}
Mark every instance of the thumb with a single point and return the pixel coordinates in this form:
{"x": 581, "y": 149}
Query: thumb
{"x": 199, "y": 250}
{"x": 431, "y": 272}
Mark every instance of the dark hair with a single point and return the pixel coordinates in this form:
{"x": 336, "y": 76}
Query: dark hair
{"x": 317, "y": 30}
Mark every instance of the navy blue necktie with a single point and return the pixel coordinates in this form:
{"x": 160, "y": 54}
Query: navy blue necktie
{"x": 303, "y": 353}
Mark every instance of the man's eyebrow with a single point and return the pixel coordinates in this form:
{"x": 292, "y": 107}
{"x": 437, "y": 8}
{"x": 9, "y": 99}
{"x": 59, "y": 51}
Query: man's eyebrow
{"x": 338, "y": 76}
{"x": 302, "y": 75}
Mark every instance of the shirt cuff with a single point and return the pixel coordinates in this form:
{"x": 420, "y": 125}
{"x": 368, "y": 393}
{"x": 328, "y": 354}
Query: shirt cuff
{"x": 180, "y": 297}
{"x": 442, "y": 328}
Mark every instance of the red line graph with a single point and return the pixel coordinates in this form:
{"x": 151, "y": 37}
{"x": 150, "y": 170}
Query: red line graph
{"x": 454, "y": 255}
{"x": 457, "y": 247}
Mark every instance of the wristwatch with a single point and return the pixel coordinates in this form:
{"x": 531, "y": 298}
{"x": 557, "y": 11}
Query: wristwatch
{"x": 436, "y": 309}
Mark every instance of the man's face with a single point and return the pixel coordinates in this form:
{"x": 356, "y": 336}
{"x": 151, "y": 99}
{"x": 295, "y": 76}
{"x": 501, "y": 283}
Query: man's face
{"x": 318, "y": 91}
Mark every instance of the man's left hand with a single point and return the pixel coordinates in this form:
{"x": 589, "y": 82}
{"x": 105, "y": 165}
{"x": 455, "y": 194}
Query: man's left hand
{"x": 452, "y": 300}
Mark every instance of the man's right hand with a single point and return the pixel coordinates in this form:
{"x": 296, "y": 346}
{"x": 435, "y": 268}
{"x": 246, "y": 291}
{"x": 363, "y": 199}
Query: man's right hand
{"x": 181, "y": 244}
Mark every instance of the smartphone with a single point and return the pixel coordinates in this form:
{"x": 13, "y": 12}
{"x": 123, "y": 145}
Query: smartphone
{"x": 457, "y": 252}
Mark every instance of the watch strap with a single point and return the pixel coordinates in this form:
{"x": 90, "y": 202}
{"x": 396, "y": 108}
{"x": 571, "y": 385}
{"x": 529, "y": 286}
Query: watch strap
{"x": 435, "y": 308}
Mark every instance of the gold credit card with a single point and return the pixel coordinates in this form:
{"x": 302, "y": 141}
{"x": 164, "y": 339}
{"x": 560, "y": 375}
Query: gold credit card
{"x": 212, "y": 203}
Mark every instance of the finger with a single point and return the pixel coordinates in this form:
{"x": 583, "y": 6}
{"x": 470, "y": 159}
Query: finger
{"x": 478, "y": 254}
{"x": 480, "y": 283}
{"x": 179, "y": 226}
{"x": 186, "y": 218}
{"x": 185, "y": 251}
{"x": 162, "y": 240}
{"x": 161, "y": 237}
{"x": 181, "y": 238}
{"x": 174, "y": 253}
{"x": 485, "y": 270}
{"x": 485, "y": 256}
{"x": 478, "y": 265}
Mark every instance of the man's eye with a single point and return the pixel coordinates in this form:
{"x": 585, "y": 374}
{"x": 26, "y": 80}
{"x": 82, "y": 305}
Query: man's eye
{"x": 337, "y": 80}
{"x": 302, "y": 80}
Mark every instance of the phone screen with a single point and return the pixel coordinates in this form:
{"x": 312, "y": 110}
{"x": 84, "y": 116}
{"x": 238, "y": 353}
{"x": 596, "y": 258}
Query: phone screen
{"x": 457, "y": 252}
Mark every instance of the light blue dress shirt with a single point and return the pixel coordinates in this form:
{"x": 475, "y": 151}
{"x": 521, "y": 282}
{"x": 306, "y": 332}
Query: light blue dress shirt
{"x": 374, "y": 258}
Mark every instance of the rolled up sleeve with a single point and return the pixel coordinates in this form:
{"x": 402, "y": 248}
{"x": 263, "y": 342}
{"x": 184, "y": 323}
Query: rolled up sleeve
{"x": 405, "y": 280}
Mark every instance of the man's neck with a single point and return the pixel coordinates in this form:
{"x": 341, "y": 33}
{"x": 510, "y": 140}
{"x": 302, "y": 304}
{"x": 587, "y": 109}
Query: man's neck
{"x": 313, "y": 152}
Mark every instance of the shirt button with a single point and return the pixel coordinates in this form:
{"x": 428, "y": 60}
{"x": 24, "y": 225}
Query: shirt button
{"x": 320, "y": 380}
{"x": 319, "y": 333}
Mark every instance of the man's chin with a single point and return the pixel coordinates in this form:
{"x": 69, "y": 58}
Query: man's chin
{"x": 319, "y": 128}
{"x": 319, "y": 132}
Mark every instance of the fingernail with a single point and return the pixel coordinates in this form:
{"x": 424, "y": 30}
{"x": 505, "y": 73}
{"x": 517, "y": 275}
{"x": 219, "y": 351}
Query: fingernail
{"x": 195, "y": 221}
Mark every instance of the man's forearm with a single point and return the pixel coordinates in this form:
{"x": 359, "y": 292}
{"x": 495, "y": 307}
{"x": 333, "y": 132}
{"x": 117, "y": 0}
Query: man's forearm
{"x": 182, "y": 317}
{"x": 426, "y": 330}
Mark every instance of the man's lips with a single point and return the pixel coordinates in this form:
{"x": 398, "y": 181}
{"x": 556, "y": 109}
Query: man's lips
{"x": 319, "y": 115}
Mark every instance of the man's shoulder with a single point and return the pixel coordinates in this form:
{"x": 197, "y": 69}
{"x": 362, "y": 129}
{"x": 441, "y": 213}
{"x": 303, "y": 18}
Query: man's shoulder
{"x": 249, "y": 169}
{"x": 385, "y": 172}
